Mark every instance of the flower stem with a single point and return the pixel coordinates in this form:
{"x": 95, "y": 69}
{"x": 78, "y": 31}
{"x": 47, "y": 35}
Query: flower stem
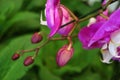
{"x": 104, "y": 16}
{"x": 35, "y": 49}
{"x": 70, "y": 43}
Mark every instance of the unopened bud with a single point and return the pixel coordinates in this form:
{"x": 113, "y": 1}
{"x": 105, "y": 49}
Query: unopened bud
{"x": 36, "y": 38}
{"x": 28, "y": 61}
{"x": 64, "y": 55}
{"x": 15, "y": 56}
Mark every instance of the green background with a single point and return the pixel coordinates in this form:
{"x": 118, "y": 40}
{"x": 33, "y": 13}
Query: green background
{"x": 19, "y": 19}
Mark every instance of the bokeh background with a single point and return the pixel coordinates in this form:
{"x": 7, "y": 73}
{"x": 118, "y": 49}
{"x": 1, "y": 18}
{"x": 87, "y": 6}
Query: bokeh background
{"x": 19, "y": 19}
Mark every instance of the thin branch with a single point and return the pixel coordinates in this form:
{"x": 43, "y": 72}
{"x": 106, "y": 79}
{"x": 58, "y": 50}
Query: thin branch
{"x": 92, "y": 13}
{"x": 35, "y": 49}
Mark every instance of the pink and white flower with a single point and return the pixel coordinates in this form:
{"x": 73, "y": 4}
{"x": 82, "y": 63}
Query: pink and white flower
{"x": 104, "y": 34}
{"x": 56, "y": 16}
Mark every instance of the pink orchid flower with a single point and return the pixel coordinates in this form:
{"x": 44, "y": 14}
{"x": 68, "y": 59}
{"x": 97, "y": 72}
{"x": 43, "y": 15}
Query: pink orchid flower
{"x": 56, "y": 16}
{"x": 104, "y": 35}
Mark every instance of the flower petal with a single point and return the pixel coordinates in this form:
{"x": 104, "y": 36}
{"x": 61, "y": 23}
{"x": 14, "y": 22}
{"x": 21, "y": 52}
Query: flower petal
{"x": 41, "y": 20}
{"x": 91, "y": 21}
{"x": 115, "y": 18}
{"x": 66, "y": 18}
{"x": 113, "y": 50}
{"x": 57, "y": 22}
{"x": 106, "y": 54}
{"x": 87, "y": 33}
{"x": 115, "y": 37}
{"x": 53, "y": 16}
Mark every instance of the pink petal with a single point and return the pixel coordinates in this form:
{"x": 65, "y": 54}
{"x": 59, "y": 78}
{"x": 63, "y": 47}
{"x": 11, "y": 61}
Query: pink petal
{"x": 87, "y": 33}
{"x": 66, "y": 18}
{"x": 105, "y": 30}
{"x": 57, "y": 22}
{"x": 53, "y": 16}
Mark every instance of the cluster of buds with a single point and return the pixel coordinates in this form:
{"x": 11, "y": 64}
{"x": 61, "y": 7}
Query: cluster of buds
{"x": 28, "y": 61}
{"x": 36, "y": 38}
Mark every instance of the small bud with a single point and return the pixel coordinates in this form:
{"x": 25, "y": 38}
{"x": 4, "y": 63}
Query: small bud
{"x": 36, "y": 38}
{"x": 64, "y": 55}
{"x": 28, "y": 61}
{"x": 15, "y": 56}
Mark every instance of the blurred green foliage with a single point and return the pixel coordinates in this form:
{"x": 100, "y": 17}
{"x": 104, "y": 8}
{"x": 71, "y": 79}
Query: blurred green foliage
{"x": 19, "y": 19}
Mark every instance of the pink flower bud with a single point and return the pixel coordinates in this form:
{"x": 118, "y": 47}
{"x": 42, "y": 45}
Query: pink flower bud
{"x": 64, "y": 55}
{"x": 28, "y": 61}
{"x": 36, "y": 38}
{"x": 15, "y": 56}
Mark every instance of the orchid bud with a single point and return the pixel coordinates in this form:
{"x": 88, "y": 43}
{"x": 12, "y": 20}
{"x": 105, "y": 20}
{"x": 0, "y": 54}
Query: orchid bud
{"x": 15, "y": 56}
{"x": 36, "y": 38}
{"x": 28, "y": 61}
{"x": 64, "y": 55}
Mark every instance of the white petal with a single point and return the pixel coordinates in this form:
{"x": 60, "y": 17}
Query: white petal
{"x": 113, "y": 49}
{"x": 106, "y": 56}
{"x": 41, "y": 21}
{"x": 115, "y": 37}
{"x": 91, "y": 21}
{"x": 104, "y": 46}
{"x": 45, "y": 12}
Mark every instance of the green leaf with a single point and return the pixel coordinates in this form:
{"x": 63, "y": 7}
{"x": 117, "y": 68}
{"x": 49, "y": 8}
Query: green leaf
{"x": 80, "y": 7}
{"x": 88, "y": 75}
{"x": 45, "y": 74}
{"x": 22, "y": 16}
{"x": 13, "y": 70}
{"x": 8, "y": 7}
{"x": 36, "y": 3}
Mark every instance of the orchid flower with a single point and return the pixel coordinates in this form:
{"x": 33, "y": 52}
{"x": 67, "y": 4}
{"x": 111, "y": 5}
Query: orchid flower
{"x": 104, "y": 35}
{"x": 92, "y": 27}
{"x": 56, "y": 16}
